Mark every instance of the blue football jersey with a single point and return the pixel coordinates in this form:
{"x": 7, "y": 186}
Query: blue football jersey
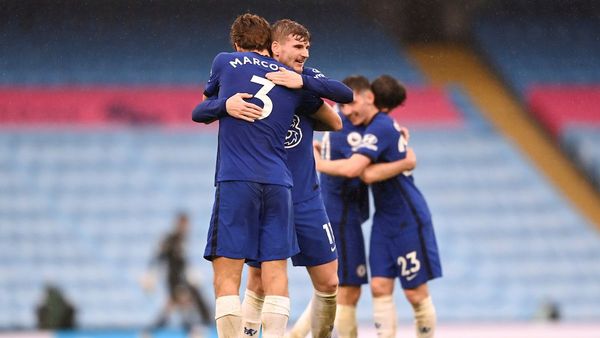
{"x": 255, "y": 151}
{"x": 397, "y": 200}
{"x": 342, "y": 194}
{"x": 298, "y": 143}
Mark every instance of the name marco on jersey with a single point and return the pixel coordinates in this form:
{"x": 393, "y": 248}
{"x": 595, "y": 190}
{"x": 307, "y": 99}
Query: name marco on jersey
{"x": 253, "y": 61}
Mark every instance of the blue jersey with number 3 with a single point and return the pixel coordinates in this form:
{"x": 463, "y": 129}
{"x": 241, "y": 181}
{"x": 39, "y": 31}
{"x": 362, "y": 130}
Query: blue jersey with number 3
{"x": 255, "y": 151}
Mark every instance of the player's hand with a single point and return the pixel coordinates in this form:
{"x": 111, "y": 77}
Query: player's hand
{"x": 286, "y": 78}
{"x": 404, "y": 131}
{"x": 317, "y": 147}
{"x": 241, "y": 109}
{"x": 412, "y": 157}
{"x": 148, "y": 282}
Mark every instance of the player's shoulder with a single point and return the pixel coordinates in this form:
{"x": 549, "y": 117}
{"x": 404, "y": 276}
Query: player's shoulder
{"x": 221, "y": 59}
{"x": 224, "y": 56}
{"x": 382, "y": 120}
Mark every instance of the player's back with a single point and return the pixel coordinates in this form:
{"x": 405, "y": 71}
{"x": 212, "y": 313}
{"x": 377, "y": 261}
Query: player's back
{"x": 398, "y": 197}
{"x": 342, "y": 195}
{"x": 254, "y": 151}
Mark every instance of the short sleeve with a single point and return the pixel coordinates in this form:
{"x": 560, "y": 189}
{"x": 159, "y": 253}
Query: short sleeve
{"x": 377, "y": 140}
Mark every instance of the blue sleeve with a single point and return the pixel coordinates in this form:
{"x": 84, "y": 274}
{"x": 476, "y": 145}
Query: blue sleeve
{"x": 209, "y": 110}
{"x": 212, "y": 86}
{"x": 330, "y": 89}
{"x": 376, "y": 141}
{"x": 309, "y": 105}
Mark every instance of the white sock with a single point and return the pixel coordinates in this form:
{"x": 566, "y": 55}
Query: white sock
{"x": 302, "y": 326}
{"x": 275, "y": 314}
{"x": 251, "y": 312}
{"x": 345, "y": 321}
{"x": 384, "y": 314}
{"x": 323, "y": 314}
{"x": 228, "y": 316}
{"x": 425, "y": 318}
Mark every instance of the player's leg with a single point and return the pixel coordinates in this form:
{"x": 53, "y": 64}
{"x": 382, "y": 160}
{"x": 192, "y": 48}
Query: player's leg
{"x": 324, "y": 303}
{"x": 418, "y": 262}
{"x": 227, "y": 277}
{"x": 277, "y": 243}
{"x": 276, "y": 307}
{"x": 318, "y": 252}
{"x": 232, "y": 237}
{"x": 384, "y": 309}
{"x": 252, "y": 305}
{"x": 424, "y": 310}
{"x": 345, "y": 317}
{"x": 319, "y": 315}
{"x": 352, "y": 273}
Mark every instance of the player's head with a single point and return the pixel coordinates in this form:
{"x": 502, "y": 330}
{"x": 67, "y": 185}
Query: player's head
{"x": 290, "y": 45}
{"x": 182, "y": 223}
{"x": 250, "y": 32}
{"x": 389, "y": 93}
{"x": 358, "y": 110}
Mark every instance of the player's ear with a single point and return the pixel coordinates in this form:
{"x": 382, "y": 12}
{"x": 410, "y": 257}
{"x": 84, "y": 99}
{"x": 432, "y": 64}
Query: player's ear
{"x": 369, "y": 96}
{"x": 237, "y": 47}
{"x": 275, "y": 48}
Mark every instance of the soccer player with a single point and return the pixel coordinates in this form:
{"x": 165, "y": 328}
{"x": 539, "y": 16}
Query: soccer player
{"x": 347, "y": 204}
{"x": 403, "y": 242}
{"x": 318, "y": 250}
{"x": 252, "y": 213}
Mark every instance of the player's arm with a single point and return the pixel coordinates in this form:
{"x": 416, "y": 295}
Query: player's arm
{"x": 209, "y": 110}
{"x": 319, "y": 84}
{"x": 212, "y": 109}
{"x": 348, "y": 167}
{"x": 326, "y": 119}
{"x": 382, "y": 171}
{"x": 328, "y": 88}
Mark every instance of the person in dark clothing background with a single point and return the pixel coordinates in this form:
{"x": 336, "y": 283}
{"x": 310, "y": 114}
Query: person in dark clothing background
{"x": 55, "y": 311}
{"x": 183, "y": 295}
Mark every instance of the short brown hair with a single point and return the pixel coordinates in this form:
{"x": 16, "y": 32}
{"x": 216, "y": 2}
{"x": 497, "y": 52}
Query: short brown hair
{"x": 389, "y": 93}
{"x": 357, "y": 83}
{"x": 250, "y": 32}
{"x": 284, "y": 27}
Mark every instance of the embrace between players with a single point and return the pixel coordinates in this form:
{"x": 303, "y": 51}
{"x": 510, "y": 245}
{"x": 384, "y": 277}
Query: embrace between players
{"x": 269, "y": 205}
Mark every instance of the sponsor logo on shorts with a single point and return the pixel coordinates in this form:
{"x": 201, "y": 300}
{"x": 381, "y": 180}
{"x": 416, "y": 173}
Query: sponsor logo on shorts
{"x": 411, "y": 277}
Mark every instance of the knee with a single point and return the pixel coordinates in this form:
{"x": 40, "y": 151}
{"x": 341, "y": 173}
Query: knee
{"x": 328, "y": 285}
{"x": 415, "y": 296}
{"x": 225, "y": 285}
{"x": 254, "y": 283}
{"x": 348, "y": 295}
{"x": 379, "y": 289}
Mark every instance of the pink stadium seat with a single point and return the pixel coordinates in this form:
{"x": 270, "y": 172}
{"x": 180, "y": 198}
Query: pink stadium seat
{"x": 427, "y": 105}
{"x": 168, "y": 105}
{"x": 98, "y": 105}
{"x": 556, "y": 106}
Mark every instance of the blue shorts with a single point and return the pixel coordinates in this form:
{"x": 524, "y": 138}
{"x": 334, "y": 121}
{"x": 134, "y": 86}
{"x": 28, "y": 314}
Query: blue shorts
{"x": 412, "y": 255}
{"x": 314, "y": 232}
{"x": 251, "y": 221}
{"x": 352, "y": 261}
{"x": 315, "y": 235}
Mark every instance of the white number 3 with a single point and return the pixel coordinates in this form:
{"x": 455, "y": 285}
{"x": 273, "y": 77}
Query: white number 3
{"x": 262, "y": 94}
